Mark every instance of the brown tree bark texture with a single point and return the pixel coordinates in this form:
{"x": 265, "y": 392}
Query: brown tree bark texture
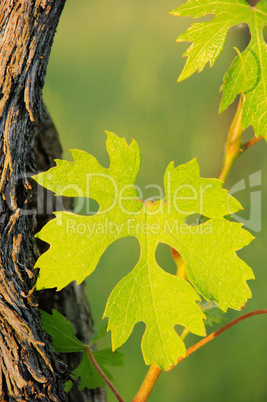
{"x": 29, "y": 368}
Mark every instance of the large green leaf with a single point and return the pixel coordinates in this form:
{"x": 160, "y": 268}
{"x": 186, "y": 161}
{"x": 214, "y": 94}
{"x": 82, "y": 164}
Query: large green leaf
{"x": 248, "y": 73}
{"x": 148, "y": 293}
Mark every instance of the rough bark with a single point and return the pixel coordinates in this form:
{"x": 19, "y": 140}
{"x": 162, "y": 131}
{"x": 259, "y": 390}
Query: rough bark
{"x": 29, "y": 368}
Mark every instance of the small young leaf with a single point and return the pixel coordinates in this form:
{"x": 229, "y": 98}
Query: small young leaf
{"x": 147, "y": 293}
{"x": 88, "y": 374}
{"x": 100, "y": 331}
{"x": 106, "y": 357}
{"x": 247, "y": 75}
{"x": 63, "y": 338}
{"x": 64, "y": 341}
{"x": 213, "y": 313}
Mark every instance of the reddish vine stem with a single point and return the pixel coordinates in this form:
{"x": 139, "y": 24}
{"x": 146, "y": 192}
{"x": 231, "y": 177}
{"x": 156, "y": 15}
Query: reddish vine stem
{"x": 103, "y": 375}
{"x": 154, "y": 371}
{"x": 250, "y": 143}
{"x": 220, "y": 331}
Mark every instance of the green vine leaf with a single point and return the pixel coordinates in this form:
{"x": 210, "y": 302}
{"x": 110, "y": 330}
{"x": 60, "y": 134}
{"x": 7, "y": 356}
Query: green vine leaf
{"x": 148, "y": 293}
{"x": 87, "y": 373}
{"x": 213, "y": 314}
{"x": 100, "y": 331}
{"x": 65, "y": 341}
{"x": 60, "y": 329}
{"x": 247, "y": 74}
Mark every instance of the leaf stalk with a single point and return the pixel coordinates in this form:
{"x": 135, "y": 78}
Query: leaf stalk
{"x": 180, "y": 264}
{"x": 103, "y": 375}
{"x": 250, "y": 143}
{"x": 233, "y": 143}
{"x": 148, "y": 383}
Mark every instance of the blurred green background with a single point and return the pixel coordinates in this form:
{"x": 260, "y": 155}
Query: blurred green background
{"x": 114, "y": 66}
